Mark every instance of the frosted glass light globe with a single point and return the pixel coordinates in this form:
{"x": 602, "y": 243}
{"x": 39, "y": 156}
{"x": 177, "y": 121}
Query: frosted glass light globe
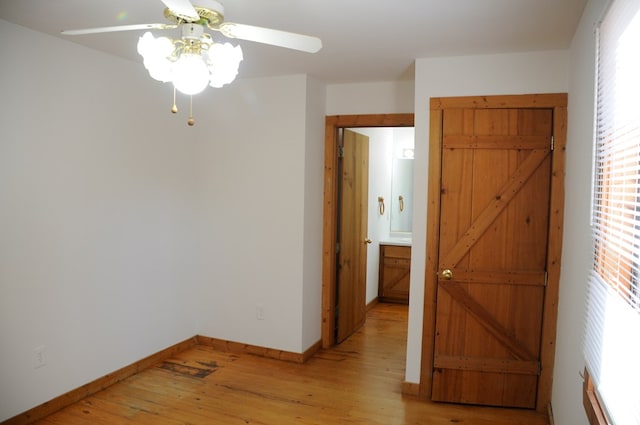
{"x": 223, "y": 61}
{"x": 190, "y": 74}
{"x": 156, "y": 53}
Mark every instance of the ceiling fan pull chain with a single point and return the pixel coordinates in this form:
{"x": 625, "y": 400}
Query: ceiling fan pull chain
{"x": 174, "y": 108}
{"x": 190, "y": 121}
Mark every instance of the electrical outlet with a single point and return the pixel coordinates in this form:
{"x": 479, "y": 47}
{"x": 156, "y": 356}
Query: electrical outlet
{"x": 38, "y": 357}
{"x": 259, "y": 312}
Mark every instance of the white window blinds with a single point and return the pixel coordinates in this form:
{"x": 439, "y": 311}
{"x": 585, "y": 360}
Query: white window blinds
{"x": 612, "y": 341}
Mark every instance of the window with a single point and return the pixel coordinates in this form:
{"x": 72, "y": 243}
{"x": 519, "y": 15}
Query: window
{"x": 612, "y": 341}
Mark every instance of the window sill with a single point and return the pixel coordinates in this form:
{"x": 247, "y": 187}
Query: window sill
{"x": 591, "y": 404}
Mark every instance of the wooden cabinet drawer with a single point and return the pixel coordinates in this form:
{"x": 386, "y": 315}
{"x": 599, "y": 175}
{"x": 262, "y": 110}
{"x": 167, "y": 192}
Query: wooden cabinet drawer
{"x": 395, "y": 251}
{"x": 394, "y": 273}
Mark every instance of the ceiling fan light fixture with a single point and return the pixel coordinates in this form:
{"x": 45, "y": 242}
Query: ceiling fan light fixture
{"x": 192, "y": 62}
{"x": 195, "y": 60}
{"x": 190, "y": 74}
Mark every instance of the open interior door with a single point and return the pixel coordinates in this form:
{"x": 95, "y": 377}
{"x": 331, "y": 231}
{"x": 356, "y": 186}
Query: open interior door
{"x": 352, "y": 234}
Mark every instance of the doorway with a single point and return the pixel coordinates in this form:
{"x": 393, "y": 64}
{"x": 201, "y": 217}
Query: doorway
{"x": 333, "y": 126}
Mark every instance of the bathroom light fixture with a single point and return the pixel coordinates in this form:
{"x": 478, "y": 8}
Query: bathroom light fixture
{"x": 407, "y": 153}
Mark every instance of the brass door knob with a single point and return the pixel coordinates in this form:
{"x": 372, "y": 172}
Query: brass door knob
{"x": 447, "y": 274}
{"x": 368, "y": 241}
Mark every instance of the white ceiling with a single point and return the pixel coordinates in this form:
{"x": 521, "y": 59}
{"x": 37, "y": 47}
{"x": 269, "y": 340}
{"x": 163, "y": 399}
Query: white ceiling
{"x": 363, "y": 40}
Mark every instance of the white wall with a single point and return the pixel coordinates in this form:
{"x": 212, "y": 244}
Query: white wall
{"x": 577, "y": 244}
{"x": 370, "y": 98}
{"x": 253, "y": 172}
{"x": 313, "y": 214}
{"x": 97, "y": 218}
{"x": 124, "y": 231}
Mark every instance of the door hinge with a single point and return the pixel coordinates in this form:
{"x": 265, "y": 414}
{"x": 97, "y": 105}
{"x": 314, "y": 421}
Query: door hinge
{"x": 546, "y": 278}
{"x": 340, "y": 152}
{"x": 338, "y": 248}
{"x": 553, "y": 143}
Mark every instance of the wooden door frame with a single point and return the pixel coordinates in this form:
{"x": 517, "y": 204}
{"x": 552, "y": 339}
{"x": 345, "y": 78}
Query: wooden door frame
{"x": 333, "y": 124}
{"x": 557, "y": 102}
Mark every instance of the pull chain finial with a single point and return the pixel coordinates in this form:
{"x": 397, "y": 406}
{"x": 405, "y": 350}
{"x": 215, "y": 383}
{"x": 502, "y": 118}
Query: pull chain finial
{"x": 191, "y": 121}
{"x": 174, "y": 108}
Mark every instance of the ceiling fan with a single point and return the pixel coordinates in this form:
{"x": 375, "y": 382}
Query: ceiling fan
{"x": 196, "y": 60}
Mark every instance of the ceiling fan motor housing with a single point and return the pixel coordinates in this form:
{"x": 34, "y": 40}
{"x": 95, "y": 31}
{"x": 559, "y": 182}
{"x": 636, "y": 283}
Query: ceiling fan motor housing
{"x": 192, "y": 31}
{"x": 210, "y": 13}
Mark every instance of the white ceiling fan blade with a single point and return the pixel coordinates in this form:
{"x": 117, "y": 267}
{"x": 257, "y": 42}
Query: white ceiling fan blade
{"x": 182, "y": 8}
{"x": 119, "y": 28}
{"x": 289, "y": 40}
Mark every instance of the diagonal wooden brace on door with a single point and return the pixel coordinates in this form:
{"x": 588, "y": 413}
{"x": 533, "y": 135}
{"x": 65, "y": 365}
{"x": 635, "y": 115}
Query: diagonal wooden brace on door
{"x": 398, "y": 278}
{"x": 486, "y": 320}
{"x": 515, "y": 182}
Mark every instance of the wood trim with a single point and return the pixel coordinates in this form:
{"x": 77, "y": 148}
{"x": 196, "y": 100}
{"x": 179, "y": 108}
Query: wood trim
{"x": 374, "y": 302}
{"x": 240, "y": 348}
{"x": 329, "y": 232}
{"x": 495, "y": 142}
{"x": 554, "y": 254}
{"x": 592, "y": 406}
{"x": 311, "y": 351}
{"x": 431, "y": 266}
{"x": 552, "y": 421}
{"x": 558, "y": 102}
{"x": 524, "y": 278}
{"x": 487, "y": 365}
{"x": 544, "y": 100}
{"x": 73, "y": 396}
{"x": 332, "y": 125}
{"x": 411, "y": 389}
{"x": 372, "y": 120}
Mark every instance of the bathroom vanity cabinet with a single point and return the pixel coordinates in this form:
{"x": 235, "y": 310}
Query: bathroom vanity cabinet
{"x": 395, "y": 264}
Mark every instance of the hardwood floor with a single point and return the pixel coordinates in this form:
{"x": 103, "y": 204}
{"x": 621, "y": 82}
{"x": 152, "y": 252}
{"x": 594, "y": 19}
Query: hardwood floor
{"x": 357, "y": 382}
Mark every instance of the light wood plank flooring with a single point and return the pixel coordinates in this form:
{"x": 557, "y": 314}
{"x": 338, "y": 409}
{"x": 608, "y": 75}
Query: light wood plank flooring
{"x": 357, "y": 382}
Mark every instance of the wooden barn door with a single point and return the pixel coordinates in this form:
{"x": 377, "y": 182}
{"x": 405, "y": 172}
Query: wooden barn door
{"x": 492, "y": 256}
